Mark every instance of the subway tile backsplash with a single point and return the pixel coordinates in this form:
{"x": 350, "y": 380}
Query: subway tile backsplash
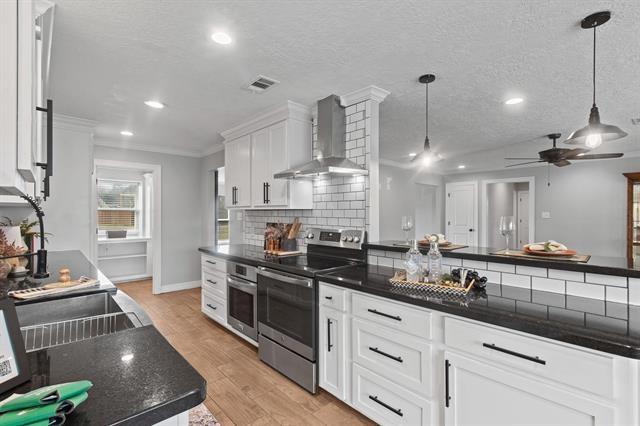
{"x": 567, "y": 285}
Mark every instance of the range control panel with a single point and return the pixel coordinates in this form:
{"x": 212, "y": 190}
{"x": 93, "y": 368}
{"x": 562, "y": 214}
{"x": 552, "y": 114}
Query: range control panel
{"x": 345, "y": 238}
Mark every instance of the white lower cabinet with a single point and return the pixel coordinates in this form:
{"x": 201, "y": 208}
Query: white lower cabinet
{"x": 402, "y": 364}
{"x": 333, "y": 352}
{"x": 214, "y": 288}
{"x": 481, "y": 394}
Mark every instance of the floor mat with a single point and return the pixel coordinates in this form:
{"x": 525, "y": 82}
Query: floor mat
{"x": 201, "y": 416}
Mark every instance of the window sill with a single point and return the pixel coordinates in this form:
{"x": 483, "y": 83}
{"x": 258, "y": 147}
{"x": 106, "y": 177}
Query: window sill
{"x": 104, "y": 240}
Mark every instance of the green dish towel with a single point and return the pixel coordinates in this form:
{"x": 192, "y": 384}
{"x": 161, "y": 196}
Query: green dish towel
{"x": 50, "y": 414}
{"x": 46, "y": 395}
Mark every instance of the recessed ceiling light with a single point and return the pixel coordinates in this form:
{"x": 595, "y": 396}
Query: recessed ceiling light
{"x": 154, "y": 104}
{"x": 514, "y": 101}
{"x": 412, "y": 154}
{"x": 462, "y": 166}
{"x": 126, "y": 133}
{"x": 221, "y": 38}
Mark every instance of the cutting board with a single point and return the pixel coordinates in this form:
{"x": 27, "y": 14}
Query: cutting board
{"x": 282, "y": 253}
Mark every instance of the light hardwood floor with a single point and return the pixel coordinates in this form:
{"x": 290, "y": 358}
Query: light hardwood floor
{"x": 241, "y": 390}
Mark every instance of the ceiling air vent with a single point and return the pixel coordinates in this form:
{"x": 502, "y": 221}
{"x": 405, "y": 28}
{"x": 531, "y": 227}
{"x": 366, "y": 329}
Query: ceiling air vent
{"x": 635, "y": 121}
{"x": 262, "y": 83}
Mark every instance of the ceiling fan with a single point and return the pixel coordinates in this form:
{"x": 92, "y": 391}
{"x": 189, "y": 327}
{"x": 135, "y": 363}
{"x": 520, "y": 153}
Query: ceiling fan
{"x": 560, "y": 156}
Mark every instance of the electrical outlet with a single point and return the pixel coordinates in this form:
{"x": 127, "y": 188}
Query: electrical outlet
{"x": 546, "y": 215}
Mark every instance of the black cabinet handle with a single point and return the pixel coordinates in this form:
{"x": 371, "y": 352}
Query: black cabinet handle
{"x": 211, "y": 262}
{"x": 212, "y": 282}
{"x": 266, "y": 186}
{"x": 329, "y": 297}
{"x": 264, "y": 192}
{"x": 329, "y": 345}
{"x": 387, "y": 406}
{"x": 48, "y": 166}
{"x": 378, "y": 351}
{"x": 382, "y": 314}
{"x": 447, "y": 397}
{"x": 470, "y": 229}
{"x": 518, "y": 354}
{"x": 211, "y": 306}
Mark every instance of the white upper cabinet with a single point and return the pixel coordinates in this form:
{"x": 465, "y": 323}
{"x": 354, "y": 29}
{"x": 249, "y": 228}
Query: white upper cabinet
{"x": 276, "y": 140}
{"x": 25, "y": 46}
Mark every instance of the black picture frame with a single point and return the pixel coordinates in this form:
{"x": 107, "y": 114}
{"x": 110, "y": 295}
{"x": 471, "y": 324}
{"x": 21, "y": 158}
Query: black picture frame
{"x": 8, "y": 311}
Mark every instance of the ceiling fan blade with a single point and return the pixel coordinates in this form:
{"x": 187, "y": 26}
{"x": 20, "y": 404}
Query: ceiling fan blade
{"x": 598, "y": 156}
{"x": 528, "y": 162}
{"x": 562, "y": 163}
{"x": 522, "y": 158}
{"x": 574, "y": 153}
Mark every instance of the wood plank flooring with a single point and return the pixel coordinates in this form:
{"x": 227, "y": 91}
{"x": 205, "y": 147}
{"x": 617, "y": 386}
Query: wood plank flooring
{"x": 241, "y": 390}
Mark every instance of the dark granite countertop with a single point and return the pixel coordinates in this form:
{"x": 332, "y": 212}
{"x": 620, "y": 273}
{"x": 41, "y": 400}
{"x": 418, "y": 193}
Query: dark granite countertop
{"x": 619, "y": 266}
{"x": 138, "y": 377}
{"x": 595, "y": 324}
{"x": 77, "y": 263}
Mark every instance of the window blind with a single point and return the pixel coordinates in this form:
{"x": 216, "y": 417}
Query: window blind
{"x": 118, "y": 204}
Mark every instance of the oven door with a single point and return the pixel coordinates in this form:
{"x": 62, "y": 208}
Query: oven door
{"x": 287, "y": 311}
{"x": 241, "y": 306}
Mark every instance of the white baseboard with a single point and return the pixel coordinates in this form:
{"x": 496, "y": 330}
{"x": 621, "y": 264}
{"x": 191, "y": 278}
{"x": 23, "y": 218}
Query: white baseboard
{"x": 166, "y": 288}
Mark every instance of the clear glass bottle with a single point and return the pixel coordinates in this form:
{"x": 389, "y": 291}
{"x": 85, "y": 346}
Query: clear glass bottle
{"x": 434, "y": 260}
{"x": 413, "y": 264}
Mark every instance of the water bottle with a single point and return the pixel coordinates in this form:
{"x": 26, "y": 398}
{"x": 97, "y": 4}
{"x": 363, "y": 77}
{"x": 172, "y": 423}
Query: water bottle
{"x": 413, "y": 264}
{"x": 434, "y": 259}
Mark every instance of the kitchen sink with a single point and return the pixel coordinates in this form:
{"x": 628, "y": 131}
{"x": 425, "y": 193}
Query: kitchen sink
{"x": 62, "y": 321}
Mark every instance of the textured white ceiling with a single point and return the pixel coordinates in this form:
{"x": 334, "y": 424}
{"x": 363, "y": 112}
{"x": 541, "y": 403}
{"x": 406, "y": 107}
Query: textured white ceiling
{"x": 110, "y": 56}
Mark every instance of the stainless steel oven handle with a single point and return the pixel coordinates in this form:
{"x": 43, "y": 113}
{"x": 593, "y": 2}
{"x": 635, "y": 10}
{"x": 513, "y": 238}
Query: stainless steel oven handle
{"x": 242, "y": 285}
{"x": 280, "y": 276}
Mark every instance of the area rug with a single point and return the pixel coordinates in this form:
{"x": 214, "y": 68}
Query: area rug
{"x": 201, "y": 416}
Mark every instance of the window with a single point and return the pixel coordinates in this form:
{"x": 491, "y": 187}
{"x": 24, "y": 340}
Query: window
{"x": 119, "y": 205}
{"x": 221, "y": 212}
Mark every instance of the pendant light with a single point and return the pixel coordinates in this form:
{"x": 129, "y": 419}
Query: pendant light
{"x": 426, "y": 156}
{"x": 594, "y": 133}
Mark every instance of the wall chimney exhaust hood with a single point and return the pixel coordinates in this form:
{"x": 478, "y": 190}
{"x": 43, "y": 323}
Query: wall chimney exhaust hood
{"x": 332, "y": 158}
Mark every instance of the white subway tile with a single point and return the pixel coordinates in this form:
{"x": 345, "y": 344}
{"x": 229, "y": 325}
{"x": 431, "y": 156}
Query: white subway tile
{"x": 452, "y": 261}
{"x": 385, "y": 261}
{"x": 606, "y": 280}
{"x": 592, "y": 291}
{"x": 548, "y": 284}
{"x": 492, "y": 276}
{"x": 501, "y": 267}
{"x": 566, "y": 275}
{"x": 393, "y": 254}
{"x": 474, "y": 264}
{"x": 514, "y": 280}
{"x": 616, "y": 294}
{"x": 372, "y": 260}
{"x": 351, "y": 109}
{"x": 528, "y": 270}
{"x": 398, "y": 263}
{"x": 634, "y": 291}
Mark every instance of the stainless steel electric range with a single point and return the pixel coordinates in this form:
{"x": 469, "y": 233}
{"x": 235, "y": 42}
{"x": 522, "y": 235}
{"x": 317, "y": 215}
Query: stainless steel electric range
{"x": 288, "y": 302}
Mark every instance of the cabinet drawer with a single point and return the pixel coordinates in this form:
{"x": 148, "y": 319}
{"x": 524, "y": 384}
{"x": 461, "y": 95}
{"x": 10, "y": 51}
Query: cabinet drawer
{"x": 583, "y": 370}
{"x": 214, "y": 263}
{"x": 214, "y": 282}
{"x": 385, "y": 402}
{"x": 400, "y": 357}
{"x": 333, "y": 297}
{"x": 396, "y": 315}
{"x": 214, "y": 307}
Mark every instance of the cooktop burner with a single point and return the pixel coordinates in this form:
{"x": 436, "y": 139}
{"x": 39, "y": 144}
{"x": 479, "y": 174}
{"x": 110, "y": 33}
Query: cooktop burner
{"x": 309, "y": 262}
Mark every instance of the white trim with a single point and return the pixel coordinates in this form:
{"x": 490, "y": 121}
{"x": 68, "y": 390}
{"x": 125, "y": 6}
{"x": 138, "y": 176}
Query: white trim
{"x": 213, "y": 149}
{"x": 74, "y": 124}
{"x": 179, "y": 286}
{"x": 147, "y": 148}
{"x": 290, "y": 110}
{"x": 129, "y": 278}
{"x": 448, "y": 185}
{"x": 156, "y": 229}
{"x": 398, "y": 164}
{"x": 531, "y": 180}
{"x": 373, "y": 93}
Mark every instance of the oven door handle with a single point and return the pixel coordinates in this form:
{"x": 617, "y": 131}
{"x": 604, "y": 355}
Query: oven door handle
{"x": 280, "y": 276}
{"x": 242, "y": 285}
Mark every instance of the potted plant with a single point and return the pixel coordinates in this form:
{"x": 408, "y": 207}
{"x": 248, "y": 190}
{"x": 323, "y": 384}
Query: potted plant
{"x": 10, "y": 256}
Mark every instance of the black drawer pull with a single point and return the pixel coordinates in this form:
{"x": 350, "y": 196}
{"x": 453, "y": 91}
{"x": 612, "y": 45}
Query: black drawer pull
{"x": 382, "y": 314}
{"x": 328, "y": 297}
{"x": 211, "y": 306}
{"x": 211, "y": 262}
{"x": 329, "y": 345}
{"x": 447, "y": 397}
{"x": 518, "y": 354}
{"x": 378, "y": 351}
{"x": 387, "y": 406}
{"x": 212, "y": 282}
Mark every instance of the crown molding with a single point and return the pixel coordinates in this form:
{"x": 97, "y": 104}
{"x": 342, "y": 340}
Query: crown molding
{"x": 290, "y": 110}
{"x": 74, "y": 124}
{"x": 373, "y": 93}
{"x": 108, "y": 143}
{"x": 213, "y": 149}
{"x": 397, "y": 164}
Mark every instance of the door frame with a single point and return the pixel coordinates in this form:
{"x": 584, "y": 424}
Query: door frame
{"x": 531, "y": 180}
{"x": 447, "y": 189}
{"x": 156, "y": 228}
{"x": 516, "y": 205}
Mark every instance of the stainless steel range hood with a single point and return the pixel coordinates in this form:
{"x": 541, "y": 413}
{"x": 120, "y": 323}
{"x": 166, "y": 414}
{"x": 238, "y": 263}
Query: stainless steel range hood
{"x": 331, "y": 144}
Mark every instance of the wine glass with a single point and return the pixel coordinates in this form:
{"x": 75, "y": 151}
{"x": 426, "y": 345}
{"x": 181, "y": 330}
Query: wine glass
{"x": 506, "y": 227}
{"x": 407, "y": 225}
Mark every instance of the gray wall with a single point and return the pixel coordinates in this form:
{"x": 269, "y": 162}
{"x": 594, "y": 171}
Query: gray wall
{"x": 181, "y": 210}
{"x": 500, "y": 201}
{"x": 587, "y": 202}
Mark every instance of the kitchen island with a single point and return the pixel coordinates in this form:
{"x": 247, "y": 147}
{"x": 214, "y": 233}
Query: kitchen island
{"x": 137, "y": 376}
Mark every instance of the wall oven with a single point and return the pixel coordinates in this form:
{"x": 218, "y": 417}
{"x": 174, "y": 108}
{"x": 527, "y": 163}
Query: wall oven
{"x": 287, "y": 316}
{"x": 242, "y": 295}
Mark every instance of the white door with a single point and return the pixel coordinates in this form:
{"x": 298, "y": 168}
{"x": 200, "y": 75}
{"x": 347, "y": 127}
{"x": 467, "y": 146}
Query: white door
{"x": 480, "y": 394}
{"x": 522, "y": 201}
{"x": 332, "y": 328}
{"x": 462, "y": 213}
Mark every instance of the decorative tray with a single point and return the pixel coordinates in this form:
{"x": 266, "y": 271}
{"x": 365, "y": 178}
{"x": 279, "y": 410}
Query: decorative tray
{"x": 432, "y": 287}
